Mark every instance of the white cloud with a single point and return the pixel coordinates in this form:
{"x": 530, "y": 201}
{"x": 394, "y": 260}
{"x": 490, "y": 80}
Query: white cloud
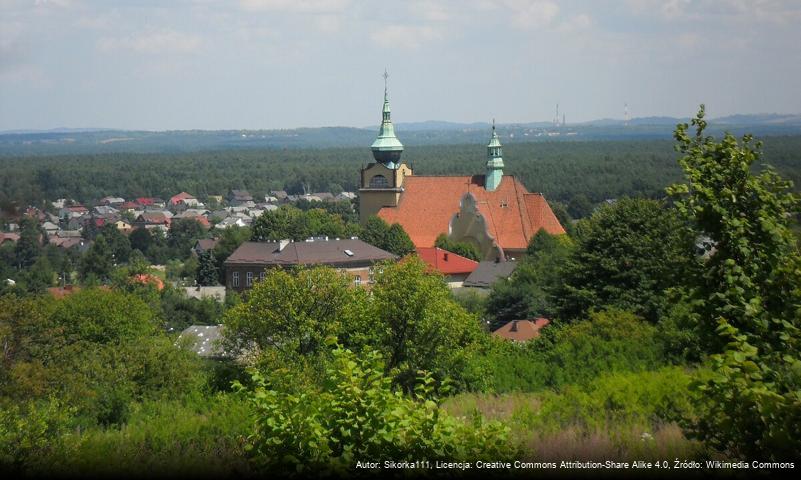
{"x": 532, "y": 14}
{"x": 296, "y": 6}
{"x": 153, "y": 42}
{"x": 407, "y": 37}
{"x": 576, "y": 23}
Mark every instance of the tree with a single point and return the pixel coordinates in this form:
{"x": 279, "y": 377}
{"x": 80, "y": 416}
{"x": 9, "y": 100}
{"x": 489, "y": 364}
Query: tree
{"x": 207, "y": 269}
{"x": 747, "y": 297}
{"x": 579, "y": 206}
{"x": 465, "y": 249}
{"x": 375, "y": 231}
{"x": 229, "y": 241}
{"x": 531, "y": 289}
{"x": 182, "y": 236}
{"x": 627, "y": 255}
{"x": 293, "y": 312}
{"x": 120, "y": 244}
{"x": 418, "y": 324}
{"x": 141, "y": 239}
{"x": 397, "y": 241}
{"x": 98, "y": 261}
{"x": 287, "y": 222}
{"x": 29, "y": 245}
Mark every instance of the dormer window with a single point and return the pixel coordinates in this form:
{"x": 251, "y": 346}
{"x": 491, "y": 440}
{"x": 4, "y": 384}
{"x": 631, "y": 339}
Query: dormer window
{"x": 504, "y": 204}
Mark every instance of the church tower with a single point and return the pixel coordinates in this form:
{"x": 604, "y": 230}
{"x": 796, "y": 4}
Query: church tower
{"x": 494, "y": 162}
{"x": 382, "y": 180}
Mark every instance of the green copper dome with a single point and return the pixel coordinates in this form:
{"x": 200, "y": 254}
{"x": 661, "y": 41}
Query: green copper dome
{"x": 386, "y": 147}
{"x": 494, "y": 162}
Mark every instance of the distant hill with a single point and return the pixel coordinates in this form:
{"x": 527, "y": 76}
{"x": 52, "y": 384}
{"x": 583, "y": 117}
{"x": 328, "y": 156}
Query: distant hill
{"x": 98, "y": 140}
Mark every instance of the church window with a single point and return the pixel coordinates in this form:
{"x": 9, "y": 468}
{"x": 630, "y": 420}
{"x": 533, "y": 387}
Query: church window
{"x": 379, "y": 181}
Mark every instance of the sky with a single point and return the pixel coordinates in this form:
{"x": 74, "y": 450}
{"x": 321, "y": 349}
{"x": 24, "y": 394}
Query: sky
{"x": 252, "y": 64}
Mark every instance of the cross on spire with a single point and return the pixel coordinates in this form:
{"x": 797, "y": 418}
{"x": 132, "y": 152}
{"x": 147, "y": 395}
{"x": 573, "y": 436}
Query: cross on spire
{"x": 386, "y": 76}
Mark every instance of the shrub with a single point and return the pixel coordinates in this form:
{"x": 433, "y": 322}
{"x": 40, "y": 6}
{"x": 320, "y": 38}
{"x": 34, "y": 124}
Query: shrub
{"x": 357, "y": 415}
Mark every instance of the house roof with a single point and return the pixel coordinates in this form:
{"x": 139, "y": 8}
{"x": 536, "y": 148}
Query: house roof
{"x": 513, "y": 215}
{"x": 521, "y": 330}
{"x": 488, "y": 273}
{"x": 145, "y": 278}
{"x": 154, "y": 218}
{"x": 175, "y": 199}
{"x": 241, "y": 195}
{"x": 9, "y": 237}
{"x": 146, "y": 201}
{"x": 205, "y": 340}
{"x": 206, "y": 244}
{"x": 446, "y": 262}
{"x": 318, "y": 252}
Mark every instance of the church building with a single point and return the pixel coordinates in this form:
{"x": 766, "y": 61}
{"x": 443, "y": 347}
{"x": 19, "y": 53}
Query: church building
{"x": 493, "y": 211}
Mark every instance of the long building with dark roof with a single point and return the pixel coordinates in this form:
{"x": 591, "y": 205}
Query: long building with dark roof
{"x": 248, "y": 263}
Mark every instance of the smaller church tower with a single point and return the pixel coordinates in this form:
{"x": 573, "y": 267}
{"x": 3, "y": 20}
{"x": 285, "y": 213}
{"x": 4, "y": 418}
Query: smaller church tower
{"x": 494, "y": 162}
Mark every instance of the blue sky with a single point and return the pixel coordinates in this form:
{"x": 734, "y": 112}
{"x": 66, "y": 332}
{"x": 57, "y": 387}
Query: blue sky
{"x": 212, "y": 64}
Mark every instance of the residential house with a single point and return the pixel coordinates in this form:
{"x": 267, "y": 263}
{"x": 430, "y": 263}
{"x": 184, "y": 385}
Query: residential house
{"x": 8, "y": 237}
{"x": 455, "y": 268}
{"x": 240, "y": 198}
{"x": 183, "y": 198}
{"x": 487, "y": 273}
{"x": 123, "y": 226}
{"x": 281, "y": 195}
{"x": 215, "y": 292}
{"x": 350, "y": 196}
{"x": 112, "y": 201}
{"x": 324, "y": 196}
{"x": 204, "y": 245}
{"x": 248, "y": 263}
{"x": 229, "y": 222}
{"x": 152, "y": 220}
{"x": 50, "y": 227}
{"x": 521, "y": 330}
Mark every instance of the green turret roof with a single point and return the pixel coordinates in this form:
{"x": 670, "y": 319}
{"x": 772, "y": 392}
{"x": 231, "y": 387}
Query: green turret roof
{"x": 386, "y": 140}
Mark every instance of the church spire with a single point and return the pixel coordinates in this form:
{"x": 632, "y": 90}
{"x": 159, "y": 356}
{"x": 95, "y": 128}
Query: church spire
{"x": 386, "y": 147}
{"x": 494, "y": 161}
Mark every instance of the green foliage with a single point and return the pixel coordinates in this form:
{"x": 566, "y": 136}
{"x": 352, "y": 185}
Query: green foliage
{"x": 579, "y": 206}
{"x": 465, "y": 249}
{"x": 418, "y": 326}
{"x": 183, "y": 234}
{"x": 627, "y": 255}
{"x": 207, "y": 269}
{"x": 293, "y": 312}
{"x": 393, "y": 239}
{"x": 29, "y": 434}
{"x": 747, "y": 297}
{"x": 29, "y": 244}
{"x": 119, "y": 244}
{"x": 196, "y": 436}
{"x": 615, "y": 399}
{"x": 530, "y": 291}
{"x": 357, "y": 415}
{"x": 181, "y": 311}
{"x": 609, "y": 341}
{"x": 289, "y": 222}
{"x": 408, "y": 315}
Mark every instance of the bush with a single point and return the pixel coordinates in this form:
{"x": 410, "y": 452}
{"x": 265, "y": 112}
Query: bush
{"x": 355, "y": 416}
{"x": 609, "y": 341}
{"x": 29, "y": 434}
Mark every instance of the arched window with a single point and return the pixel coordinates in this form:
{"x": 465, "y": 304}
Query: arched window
{"x": 379, "y": 181}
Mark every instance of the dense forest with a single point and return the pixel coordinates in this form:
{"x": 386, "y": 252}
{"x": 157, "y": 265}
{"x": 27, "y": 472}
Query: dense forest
{"x": 561, "y": 170}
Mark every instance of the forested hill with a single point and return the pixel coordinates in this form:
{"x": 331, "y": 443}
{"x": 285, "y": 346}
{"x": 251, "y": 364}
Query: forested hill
{"x": 560, "y": 169}
{"x": 78, "y": 141}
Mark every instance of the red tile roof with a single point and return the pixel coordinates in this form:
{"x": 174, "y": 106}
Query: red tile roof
{"x": 521, "y": 330}
{"x": 145, "y": 278}
{"x": 446, "y": 262}
{"x": 8, "y": 237}
{"x": 147, "y": 201}
{"x": 176, "y": 199}
{"x": 513, "y": 215}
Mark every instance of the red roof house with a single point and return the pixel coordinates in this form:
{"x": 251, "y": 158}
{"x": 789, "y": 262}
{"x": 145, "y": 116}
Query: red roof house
{"x": 180, "y": 198}
{"x": 521, "y": 330}
{"x": 455, "y": 267}
{"x": 146, "y": 201}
